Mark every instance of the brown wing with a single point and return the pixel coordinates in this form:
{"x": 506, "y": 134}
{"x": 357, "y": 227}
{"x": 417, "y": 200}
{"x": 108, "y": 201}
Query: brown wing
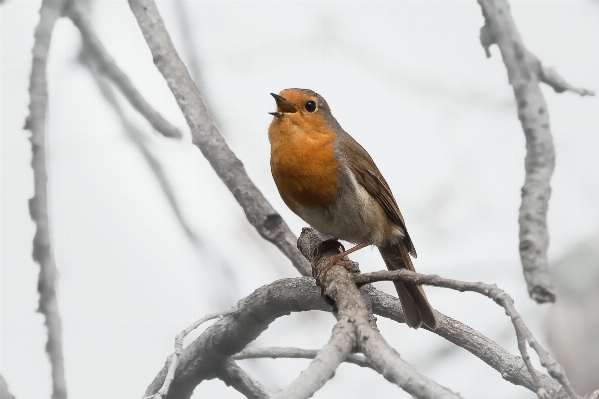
{"x": 369, "y": 177}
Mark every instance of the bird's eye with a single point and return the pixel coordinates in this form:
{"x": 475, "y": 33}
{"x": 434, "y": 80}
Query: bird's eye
{"x": 310, "y": 106}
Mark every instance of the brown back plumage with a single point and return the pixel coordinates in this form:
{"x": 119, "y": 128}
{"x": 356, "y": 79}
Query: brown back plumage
{"x": 417, "y": 310}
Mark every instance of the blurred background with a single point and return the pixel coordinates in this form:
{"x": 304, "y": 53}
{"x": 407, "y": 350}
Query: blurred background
{"x": 408, "y": 79}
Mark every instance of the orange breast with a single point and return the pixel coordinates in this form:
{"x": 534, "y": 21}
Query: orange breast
{"x": 303, "y": 163}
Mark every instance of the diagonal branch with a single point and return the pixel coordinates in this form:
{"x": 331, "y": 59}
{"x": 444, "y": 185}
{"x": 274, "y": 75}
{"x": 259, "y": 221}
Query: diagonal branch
{"x": 208, "y": 139}
{"x": 108, "y": 67}
{"x": 323, "y": 367}
{"x": 221, "y": 272}
{"x": 50, "y": 11}
{"x": 511, "y": 368}
{"x": 138, "y": 138}
{"x": 236, "y": 377}
{"x": 524, "y": 73}
{"x": 501, "y": 298}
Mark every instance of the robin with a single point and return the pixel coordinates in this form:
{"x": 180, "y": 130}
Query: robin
{"x": 331, "y": 182}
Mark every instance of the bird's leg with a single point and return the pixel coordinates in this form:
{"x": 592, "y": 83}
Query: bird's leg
{"x": 336, "y": 259}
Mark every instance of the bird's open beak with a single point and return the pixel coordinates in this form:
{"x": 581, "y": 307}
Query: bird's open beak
{"x": 283, "y": 106}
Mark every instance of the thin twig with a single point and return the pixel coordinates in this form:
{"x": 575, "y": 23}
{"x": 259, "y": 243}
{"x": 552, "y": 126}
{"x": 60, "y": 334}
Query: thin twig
{"x": 139, "y": 139}
{"x": 524, "y": 73}
{"x": 207, "y": 138}
{"x": 174, "y": 358}
{"x": 274, "y": 352}
{"x": 221, "y": 272}
{"x": 488, "y": 290}
{"x": 550, "y": 77}
{"x": 107, "y": 66}
{"x": 234, "y": 376}
{"x": 50, "y": 11}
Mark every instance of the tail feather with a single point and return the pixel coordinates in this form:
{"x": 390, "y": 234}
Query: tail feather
{"x": 417, "y": 310}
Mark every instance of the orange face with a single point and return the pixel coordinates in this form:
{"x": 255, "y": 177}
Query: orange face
{"x": 302, "y": 158}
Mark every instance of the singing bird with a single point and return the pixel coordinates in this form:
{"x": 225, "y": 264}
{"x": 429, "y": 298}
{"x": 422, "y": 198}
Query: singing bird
{"x": 331, "y": 182}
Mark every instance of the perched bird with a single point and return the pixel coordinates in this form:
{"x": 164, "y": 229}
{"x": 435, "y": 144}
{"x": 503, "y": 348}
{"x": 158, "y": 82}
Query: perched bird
{"x": 327, "y": 178}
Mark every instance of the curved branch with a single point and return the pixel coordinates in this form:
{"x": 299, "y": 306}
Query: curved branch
{"x": 323, "y": 367}
{"x": 207, "y": 138}
{"x": 108, "y": 67}
{"x": 202, "y": 358}
{"x": 524, "y": 73}
{"x": 50, "y": 11}
{"x": 501, "y": 298}
{"x": 275, "y": 352}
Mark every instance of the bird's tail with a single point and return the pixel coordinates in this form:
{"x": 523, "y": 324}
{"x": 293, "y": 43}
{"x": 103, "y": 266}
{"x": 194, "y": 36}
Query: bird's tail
{"x": 416, "y": 309}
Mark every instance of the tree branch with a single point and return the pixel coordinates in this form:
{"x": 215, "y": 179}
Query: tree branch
{"x": 236, "y": 377}
{"x": 524, "y": 73}
{"x": 339, "y": 286}
{"x": 50, "y": 11}
{"x": 511, "y": 368}
{"x": 174, "y": 358}
{"x": 4, "y": 392}
{"x": 138, "y": 138}
{"x": 323, "y": 367}
{"x": 200, "y": 360}
{"x": 501, "y": 298}
{"x": 275, "y": 352}
{"x": 208, "y": 139}
{"x": 108, "y": 67}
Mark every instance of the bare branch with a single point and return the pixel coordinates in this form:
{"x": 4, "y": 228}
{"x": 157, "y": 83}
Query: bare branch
{"x": 323, "y": 367}
{"x": 524, "y": 73}
{"x": 223, "y": 271}
{"x": 50, "y": 11}
{"x": 138, "y": 138}
{"x": 208, "y": 139}
{"x": 235, "y": 376}
{"x": 174, "y": 358}
{"x": 257, "y": 311}
{"x": 511, "y": 367}
{"x": 202, "y": 358}
{"x": 274, "y": 352}
{"x": 301, "y": 294}
{"x": 488, "y": 290}
{"x": 4, "y": 392}
{"x": 550, "y": 77}
{"x": 108, "y": 67}
{"x": 339, "y": 286}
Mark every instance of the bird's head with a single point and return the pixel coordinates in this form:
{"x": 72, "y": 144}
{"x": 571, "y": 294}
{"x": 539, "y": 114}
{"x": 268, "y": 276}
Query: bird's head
{"x": 303, "y": 108}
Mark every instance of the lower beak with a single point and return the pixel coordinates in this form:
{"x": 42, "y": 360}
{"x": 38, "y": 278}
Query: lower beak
{"x": 283, "y": 106}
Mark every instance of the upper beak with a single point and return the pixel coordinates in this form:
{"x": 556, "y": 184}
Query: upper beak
{"x": 283, "y": 106}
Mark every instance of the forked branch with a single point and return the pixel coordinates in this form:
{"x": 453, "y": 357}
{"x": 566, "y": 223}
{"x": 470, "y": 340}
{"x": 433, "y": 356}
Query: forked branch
{"x": 502, "y": 299}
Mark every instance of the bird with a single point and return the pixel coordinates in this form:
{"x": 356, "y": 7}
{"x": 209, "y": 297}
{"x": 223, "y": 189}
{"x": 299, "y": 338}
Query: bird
{"x": 330, "y": 181}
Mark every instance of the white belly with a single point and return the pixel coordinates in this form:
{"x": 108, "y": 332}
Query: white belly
{"x": 355, "y": 217}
